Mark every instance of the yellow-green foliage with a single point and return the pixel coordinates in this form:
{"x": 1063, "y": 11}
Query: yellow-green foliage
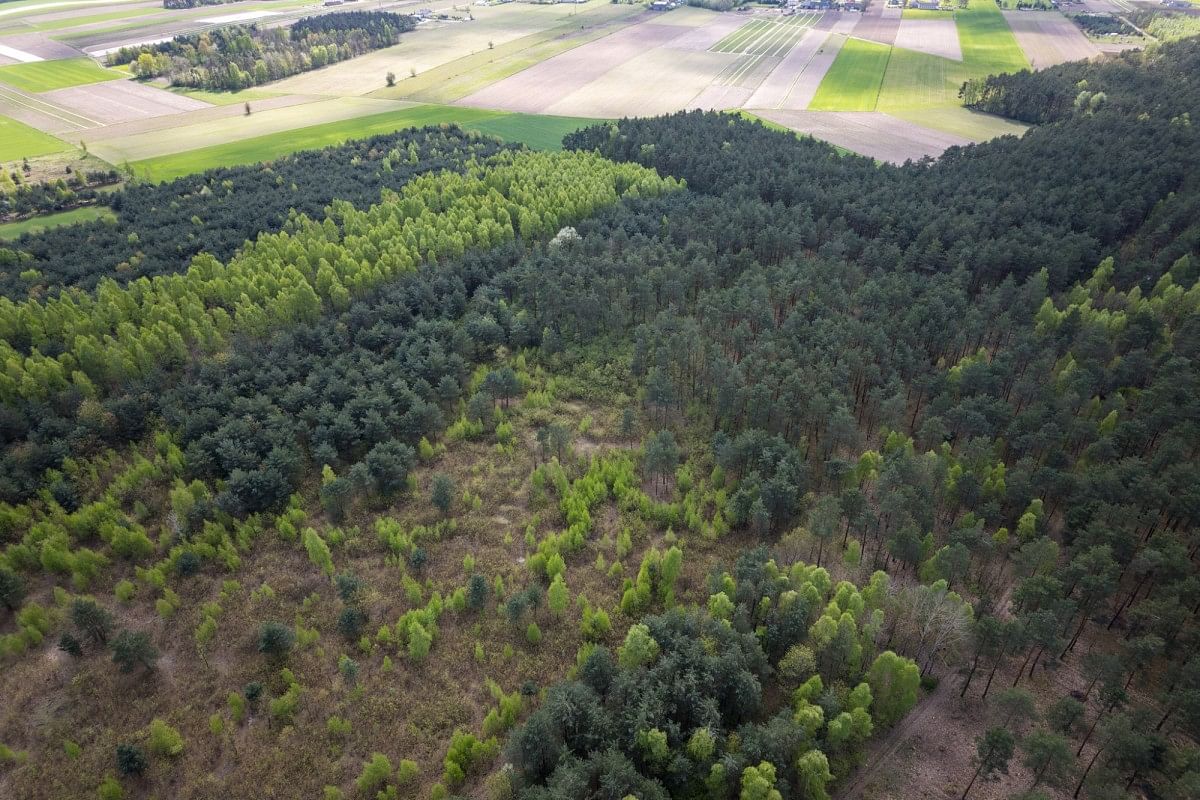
{"x": 165, "y": 740}
{"x": 464, "y": 753}
{"x": 318, "y": 551}
{"x": 504, "y": 715}
{"x": 124, "y": 332}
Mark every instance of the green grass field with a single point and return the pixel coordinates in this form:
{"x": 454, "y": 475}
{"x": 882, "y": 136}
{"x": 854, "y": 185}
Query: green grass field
{"x": 853, "y": 81}
{"x": 225, "y": 98}
{"x": 913, "y": 82}
{"x": 18, "y": 140}
{"x": 45, "y": 76}
{"x": 988, "y": 44}
{"x": 11, "y": 230}
{"x": 538, "y": 132}
{"x": 75, "y": 22}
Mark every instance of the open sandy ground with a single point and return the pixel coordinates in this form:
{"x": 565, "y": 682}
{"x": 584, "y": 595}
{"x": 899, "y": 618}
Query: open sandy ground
{"x": 878, "y": 24}
{"x": 543, "y": 86}
{"x": 122, "y": 101}
{"x": 1049, "y": 38}
{"x": 880, "y": 136}
{"x": 937, "y": 37}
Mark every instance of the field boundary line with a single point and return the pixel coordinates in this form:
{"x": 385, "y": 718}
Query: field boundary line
{"x": 13, "y": 95}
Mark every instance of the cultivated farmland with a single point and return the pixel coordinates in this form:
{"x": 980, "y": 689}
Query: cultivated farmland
{"x": 45, "y": 76}
{"x": 853, "y": 81}
{"x": 592, "y": 60}
{"x": 1049, "y": 38}
{"x": 18, "y": 141}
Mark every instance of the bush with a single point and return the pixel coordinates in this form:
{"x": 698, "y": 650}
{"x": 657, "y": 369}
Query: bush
{"x": 407, "y": 771}
{"x": 165, "y": 740}
{"x": 131, "y": 650}
{"x": 130, "y": 760}
{"x": 375, "y": 773}
{"x": 275, "y": 640}
{"x": 110, "y": 789}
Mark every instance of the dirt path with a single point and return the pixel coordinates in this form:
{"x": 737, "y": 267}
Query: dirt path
{"x": 935, "y": 707}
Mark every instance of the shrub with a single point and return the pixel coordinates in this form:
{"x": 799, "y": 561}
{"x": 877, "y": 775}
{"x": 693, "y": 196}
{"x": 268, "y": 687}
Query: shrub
{"x": 407, "y": 771}
{"x": 131, "y": 650}
{"x": 165, "y": 740}
{"x": 375, "y": 774}
{"x": 130, "y": 759}
{"x": 110, "y": 789}
{"x": 275, "y": 640}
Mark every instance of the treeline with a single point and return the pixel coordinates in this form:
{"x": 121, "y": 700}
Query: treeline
{"x": 236, "y": 57}
{"x": 1103, "y": 25}
{"x": 1153, "y": 82}
{"x": 19, "y": 198}
{"x": 994, "y": 212}
{"x": 160, "y": 227}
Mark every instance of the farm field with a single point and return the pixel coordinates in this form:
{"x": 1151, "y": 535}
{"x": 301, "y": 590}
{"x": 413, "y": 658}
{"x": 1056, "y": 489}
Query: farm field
{"x": 935, "y": 36}
{"x": 226, "y": 98}
{"x": 233, "y": 125}
{"x": 59, "y": 21}
{"x": 1049, "y": 38}
{"x": 879, "y": 136}
{"x": 538, "y": 132}
{"x": 458, "y": 78}
{"x": 572, "y": 61}
{"x": 18, "y": 140}
{"x": 13, "y": 230}
{"x": 440, "y": 43}
{"x": 853, "y": 81}
{"x": 45, "y": 76}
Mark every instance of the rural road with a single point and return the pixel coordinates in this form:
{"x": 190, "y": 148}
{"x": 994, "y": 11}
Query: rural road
{"x": 932, "y": 708}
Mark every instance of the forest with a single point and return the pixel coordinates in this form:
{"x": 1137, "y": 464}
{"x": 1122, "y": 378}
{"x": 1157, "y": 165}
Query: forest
{"x": 239, "y": 56}
{"x": 160, "y": 227}
{"x": 684, "y": 463}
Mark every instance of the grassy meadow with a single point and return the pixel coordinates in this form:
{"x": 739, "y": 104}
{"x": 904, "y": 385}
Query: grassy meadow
{"x": 18, "y": 140}
{"x": 12, "y": 230}
{"x": 46, "y": 76}
{"x": 852, "y": 83}
{"x": 875, "y": 77}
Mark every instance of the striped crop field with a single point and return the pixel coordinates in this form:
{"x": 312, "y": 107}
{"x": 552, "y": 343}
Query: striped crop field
{"x": 763, "y": 37}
